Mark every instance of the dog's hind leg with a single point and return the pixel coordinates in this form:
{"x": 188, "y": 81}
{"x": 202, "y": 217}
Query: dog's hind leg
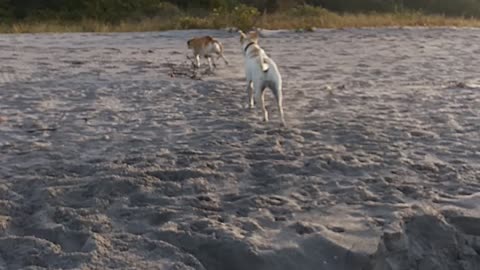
{"x": 251, "y": 104}
{"x": 277, "y": 92}
{"x": 223, "y": 57}
{"x": 210, "y": 64}
{"x": 213, "y": 62}
{"x": 219, "y": 51}
{"x": 260, "y": 98}
{"x": 280, "y": 110}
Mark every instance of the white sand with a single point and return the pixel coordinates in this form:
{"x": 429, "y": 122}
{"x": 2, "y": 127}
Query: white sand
{"x": 106, "y": 162}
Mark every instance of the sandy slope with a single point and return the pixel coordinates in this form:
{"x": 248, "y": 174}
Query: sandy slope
{"x": 106, "y": 162}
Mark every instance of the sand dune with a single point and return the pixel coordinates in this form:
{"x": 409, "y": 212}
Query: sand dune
{"x": 107, "y": 162}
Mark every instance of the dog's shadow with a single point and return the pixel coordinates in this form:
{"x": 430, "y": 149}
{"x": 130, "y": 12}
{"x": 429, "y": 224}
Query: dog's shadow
{"x": 188, "y": 69}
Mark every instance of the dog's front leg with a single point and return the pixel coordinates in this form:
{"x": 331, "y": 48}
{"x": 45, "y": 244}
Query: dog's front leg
{"x": 197, "y": 61}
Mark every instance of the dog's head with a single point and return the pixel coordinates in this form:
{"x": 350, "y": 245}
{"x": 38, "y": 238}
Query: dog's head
{"x": 189, "y": 43}
{"x": 248, "y": 38}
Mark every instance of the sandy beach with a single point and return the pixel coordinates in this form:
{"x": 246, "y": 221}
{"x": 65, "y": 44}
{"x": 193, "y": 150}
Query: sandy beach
{"x": 110, "y": 158}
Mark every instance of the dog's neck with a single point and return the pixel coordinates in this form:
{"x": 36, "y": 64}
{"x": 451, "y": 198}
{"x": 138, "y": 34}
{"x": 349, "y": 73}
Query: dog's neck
{"x": 248, "y": 46}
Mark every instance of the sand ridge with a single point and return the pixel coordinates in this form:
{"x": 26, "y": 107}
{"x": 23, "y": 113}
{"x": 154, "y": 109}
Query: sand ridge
{"x": 107, "y": 162}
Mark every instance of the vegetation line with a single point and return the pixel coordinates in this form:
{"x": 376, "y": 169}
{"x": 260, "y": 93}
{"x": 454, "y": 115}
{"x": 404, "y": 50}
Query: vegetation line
{"x": 169, "y": 17}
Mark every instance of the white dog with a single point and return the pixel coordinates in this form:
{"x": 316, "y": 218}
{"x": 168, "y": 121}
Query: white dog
{"x": 206, "y": 47}
{"x": 261, "y": 72}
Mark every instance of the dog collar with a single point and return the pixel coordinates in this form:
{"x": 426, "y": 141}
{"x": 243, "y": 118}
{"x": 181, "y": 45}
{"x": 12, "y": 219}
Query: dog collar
{"x": 249, "y": 44}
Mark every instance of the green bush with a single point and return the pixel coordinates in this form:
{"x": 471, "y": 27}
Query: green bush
{"x": 220, "y": 17}
{"x": 357, "y": 5}
{"x": 165, "y": 9}
{"x": 445, "y": 7}
{"x": 242, "y": 17}
{"x": 308, "y": 11}
{"x": 6, "y": 11}
{"x": 188, "y": 22}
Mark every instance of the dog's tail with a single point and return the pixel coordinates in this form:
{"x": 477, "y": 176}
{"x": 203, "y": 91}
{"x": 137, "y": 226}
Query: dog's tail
{"x": 219, "y": 48}
{"x": 264, "y": 64}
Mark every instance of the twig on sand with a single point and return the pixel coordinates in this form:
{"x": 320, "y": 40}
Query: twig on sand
{"x": 53, "y": 127}
{"x": 62, "y": 116}
{"x": 460, "y": 85}
{"x": 41, "y": 129}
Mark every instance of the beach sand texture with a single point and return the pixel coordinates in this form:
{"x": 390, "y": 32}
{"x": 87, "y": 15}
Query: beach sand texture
{"x": 107, "y": 162}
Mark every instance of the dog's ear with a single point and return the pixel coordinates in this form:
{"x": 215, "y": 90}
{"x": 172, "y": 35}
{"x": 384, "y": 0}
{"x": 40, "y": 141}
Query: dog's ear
{"x": 242, "y": 35}
{"x": 254, "y": 35}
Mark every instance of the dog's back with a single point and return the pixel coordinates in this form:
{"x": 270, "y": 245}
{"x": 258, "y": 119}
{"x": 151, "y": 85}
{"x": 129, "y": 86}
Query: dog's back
{"x": 257, "y": 54}
{"x": 259, "y": 66}
{"x": 205, "y": 45}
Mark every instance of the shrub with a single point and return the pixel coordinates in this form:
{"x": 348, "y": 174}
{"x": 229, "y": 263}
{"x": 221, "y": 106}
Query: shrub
{"x": 165, "y": 9}
{"x": 242, "y": 17}
{"x": 220, "y": 17}
{"x": 447, "y": 7}
{"x": 308, "y": 11}
{"x": 188, "y": 22}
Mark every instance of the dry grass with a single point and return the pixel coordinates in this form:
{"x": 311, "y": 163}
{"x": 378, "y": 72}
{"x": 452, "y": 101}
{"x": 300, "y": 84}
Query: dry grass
{"x": 280, "y": 21}
{"x": 271, "y": 21}
{"x": 87, "y": 26}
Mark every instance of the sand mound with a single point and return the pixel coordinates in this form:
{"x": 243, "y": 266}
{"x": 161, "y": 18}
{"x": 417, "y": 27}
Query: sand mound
{"x": 429, "y": 242}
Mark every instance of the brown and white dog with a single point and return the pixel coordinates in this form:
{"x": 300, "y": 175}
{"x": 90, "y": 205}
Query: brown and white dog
{"x": 206, "y": 46}
{"x": 261, "y": 73}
